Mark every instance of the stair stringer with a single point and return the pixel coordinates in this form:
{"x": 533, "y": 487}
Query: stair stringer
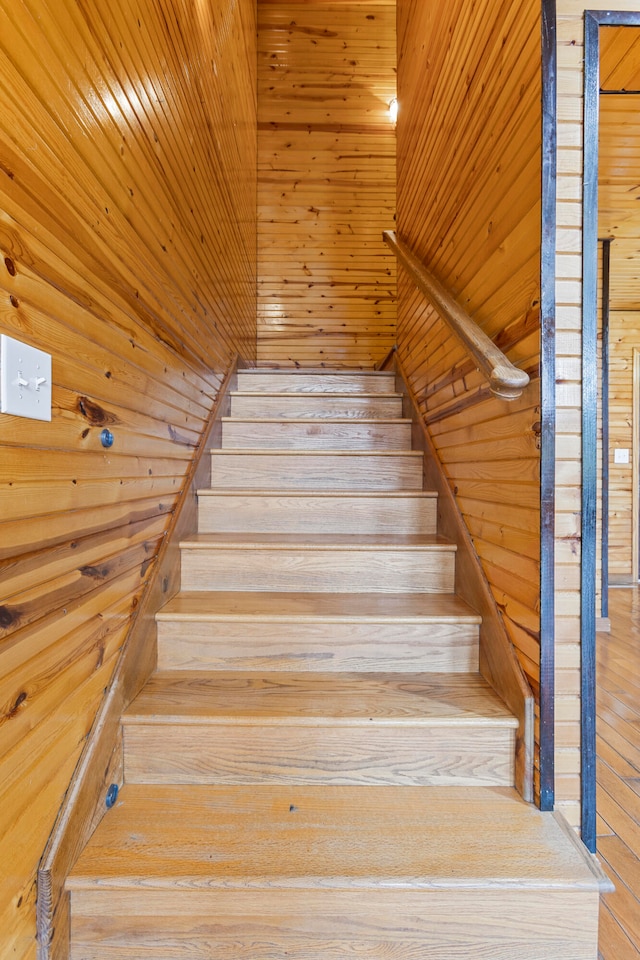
{"x": 101, "y": 761}
{"x": 499, "y": 663}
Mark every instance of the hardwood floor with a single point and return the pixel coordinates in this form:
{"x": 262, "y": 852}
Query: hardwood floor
{"x": 618, "y": 773}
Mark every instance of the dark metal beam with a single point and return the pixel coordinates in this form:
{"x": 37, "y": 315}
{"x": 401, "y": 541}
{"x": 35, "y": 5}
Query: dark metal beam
{"x": 589, "y": 431}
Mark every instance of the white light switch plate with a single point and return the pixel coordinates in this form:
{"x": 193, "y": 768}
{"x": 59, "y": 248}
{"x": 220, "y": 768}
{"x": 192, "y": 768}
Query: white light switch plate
{"x": 620, "y": 455}
{"x": 25, "y": 380}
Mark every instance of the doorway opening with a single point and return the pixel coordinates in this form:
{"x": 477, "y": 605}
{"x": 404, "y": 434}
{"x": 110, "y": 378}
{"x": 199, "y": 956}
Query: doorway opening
{"x": 610, "y": 197}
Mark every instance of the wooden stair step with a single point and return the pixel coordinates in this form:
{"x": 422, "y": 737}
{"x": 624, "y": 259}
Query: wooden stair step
{"x": 320, "y": 563}
{"x": 318, "y": 632}
{"x": 323, "y": 381}
{"x": 320, "y": 406}
{"x": 317, "y": 470}
{"x": 235, "y": 873}
{"x": 318, "y": 728}
{"x": 320, "y": 511}
{"x": 221, "y": 697}
{"x": 313, "y": 434}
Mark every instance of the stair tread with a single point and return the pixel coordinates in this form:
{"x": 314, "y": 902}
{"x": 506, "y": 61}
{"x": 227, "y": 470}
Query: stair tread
{"x": 312, "y": 698}
{"x": 336, "y": 422}
{"x": 333, "y": 838}
{"x": 338, "y": 607}
{"x": 306, "y": 494}
{"x": 324, "y": 395}
{"x": 320, "y": 541}
{"x": 271, "y": 452}
{"x": 315, "y": 371}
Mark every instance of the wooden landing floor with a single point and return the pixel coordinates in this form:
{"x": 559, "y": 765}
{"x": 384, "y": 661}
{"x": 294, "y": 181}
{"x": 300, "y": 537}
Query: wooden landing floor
{"x": 618, "y": 775}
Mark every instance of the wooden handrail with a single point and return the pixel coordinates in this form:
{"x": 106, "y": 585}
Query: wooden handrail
{"x": 505, "y": 380}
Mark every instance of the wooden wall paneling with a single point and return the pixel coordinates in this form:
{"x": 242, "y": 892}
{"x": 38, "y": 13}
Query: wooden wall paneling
{"x": 84, "y": 804}
{"x": 624, "y": 338}
{"x": 38, "y": 60}
{"x": 604, "y": 444}
{"x": 469, "y": 207}
{"x": 619, "y": 159}
{"x": 635, "y": 470}
{"x": 326, "y": 185}
{"x": 498, "y": 662}
{"x": 127, "y": 239}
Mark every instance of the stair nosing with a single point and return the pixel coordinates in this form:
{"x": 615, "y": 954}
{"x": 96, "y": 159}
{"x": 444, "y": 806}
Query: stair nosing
{"x": 417, "y": 813}
{"x": 131, "y": 718}
{"x": 305, "y": 543}
{"x": 470, "y": 616}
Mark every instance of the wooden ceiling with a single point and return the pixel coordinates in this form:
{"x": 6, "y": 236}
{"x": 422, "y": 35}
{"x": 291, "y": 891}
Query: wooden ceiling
{"x": 619, "y": 164}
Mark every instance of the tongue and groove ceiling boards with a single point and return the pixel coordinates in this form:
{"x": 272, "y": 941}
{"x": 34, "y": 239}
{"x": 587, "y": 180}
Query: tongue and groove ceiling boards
{"x": 619, "y": 161}
{"x": 469, "y": 168}
{"x": 326, "y": 181}
{"x": 127, "y": 252}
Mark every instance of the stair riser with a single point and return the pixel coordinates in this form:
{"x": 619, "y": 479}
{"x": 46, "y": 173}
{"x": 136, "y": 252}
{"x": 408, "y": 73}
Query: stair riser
{"x": 323, "y": 435}
{"x": 319, "y": 647}
{"x": 457, "y": 755}
{"x": 322, "y": 571}
{"x": 384, "y": 514}
{"x": 316, "y": 406}
{"x": 308, "y": 471}
{"x": 316, "y": 383}
{"x": 326, "y": 925}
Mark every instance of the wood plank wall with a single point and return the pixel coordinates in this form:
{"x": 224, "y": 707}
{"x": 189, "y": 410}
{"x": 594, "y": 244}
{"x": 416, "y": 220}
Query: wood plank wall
{"x": 618, "y": 217}
{"x": 624, "y": 340}
{"x": 127, "y": 238}
{"x": 469, "y": 163}
{"x": 326, "y": 181}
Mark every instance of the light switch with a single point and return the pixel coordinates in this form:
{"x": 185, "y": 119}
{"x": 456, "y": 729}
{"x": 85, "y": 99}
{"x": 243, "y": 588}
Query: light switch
{"x": 25, "y": 380}
{"x": 620, "y": 455}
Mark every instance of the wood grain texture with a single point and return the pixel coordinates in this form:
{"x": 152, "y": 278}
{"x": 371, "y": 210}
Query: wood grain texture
{"x": 505, "y": 380}
{"x": 322, "y": 512}
{"x": 326, "y": 182}
{"x": 624, "y": 339}
{"x": 425, "y": 825}
{"x": 321, "y": 728}
{"x": 469, "y": 208}
{"x": 320, "y": 632}
{"x": 312, "y": 435}
{"x": 320, "y": 563}
{"x": 616, "y": 134}
{"x": 349, "y": 725}
{"x": 316, "y": 470}
{"x": 100, "y": 763}
{"x": 326, "y": 754}
{"x": 498, "y": 660}
{"x": 618, "y": 775}
{"x": 619, "y": 161}
{"x": 428, "y": 905}
{"x": 124, "y": 178}
{"x": 301, "y": 381}
{"x": 338, "y": 406}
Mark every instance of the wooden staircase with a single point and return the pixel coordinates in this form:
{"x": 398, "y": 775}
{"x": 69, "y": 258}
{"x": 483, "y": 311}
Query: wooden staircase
{"x": 317, "y": 769}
